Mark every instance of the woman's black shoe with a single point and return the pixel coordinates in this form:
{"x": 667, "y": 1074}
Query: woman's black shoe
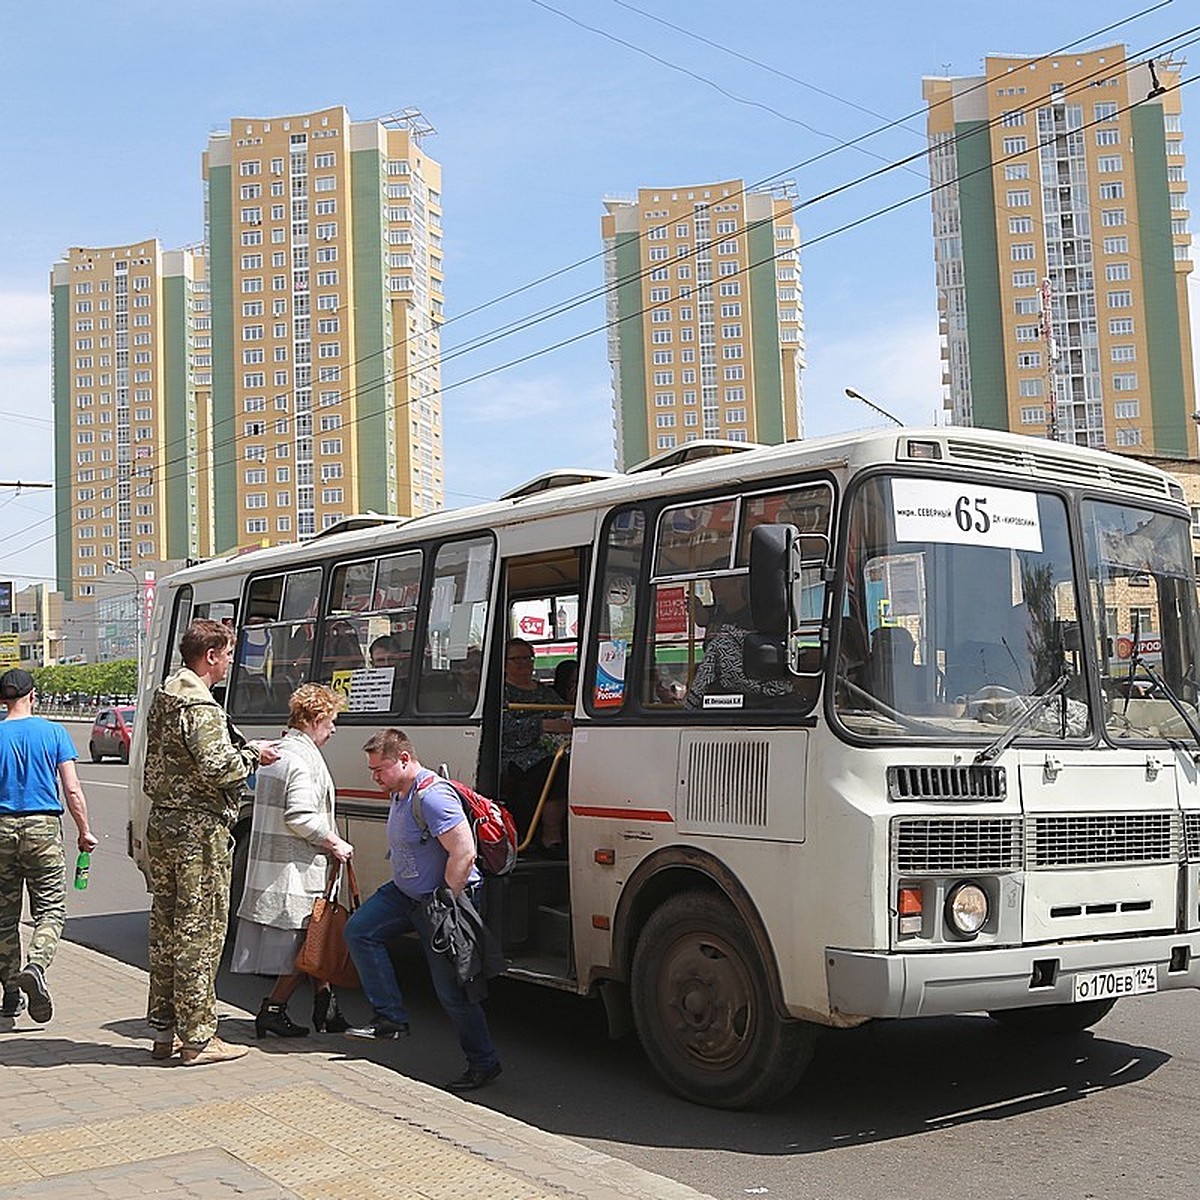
{"x": 327, "y": 1017}
{"x": 273, "y": 1018}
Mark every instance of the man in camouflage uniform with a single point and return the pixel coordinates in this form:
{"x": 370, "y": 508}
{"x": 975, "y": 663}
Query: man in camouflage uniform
{"x": 196, "y": 766}
{"x": 36, "y": 755}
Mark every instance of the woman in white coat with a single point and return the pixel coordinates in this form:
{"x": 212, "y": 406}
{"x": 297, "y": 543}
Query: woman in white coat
{"x": 293, "y": 835}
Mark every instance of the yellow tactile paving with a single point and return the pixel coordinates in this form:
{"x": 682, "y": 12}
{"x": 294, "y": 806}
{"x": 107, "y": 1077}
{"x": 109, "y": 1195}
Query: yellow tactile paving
{"x": 304, "y": 1138}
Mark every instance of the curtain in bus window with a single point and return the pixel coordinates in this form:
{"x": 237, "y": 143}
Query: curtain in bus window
{"x": 606, "y": 691}
{"x": 455, "y": 627}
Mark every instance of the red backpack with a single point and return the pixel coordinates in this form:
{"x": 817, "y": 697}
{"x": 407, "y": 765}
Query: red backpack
{"x": 492, "y": 826}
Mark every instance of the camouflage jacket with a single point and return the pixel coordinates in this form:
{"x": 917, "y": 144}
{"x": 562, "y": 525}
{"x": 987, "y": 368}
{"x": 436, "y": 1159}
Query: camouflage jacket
{"x": 196, "y": 758}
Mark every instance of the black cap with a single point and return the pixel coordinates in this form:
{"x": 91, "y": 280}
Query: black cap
{"x": 15, "y": 683}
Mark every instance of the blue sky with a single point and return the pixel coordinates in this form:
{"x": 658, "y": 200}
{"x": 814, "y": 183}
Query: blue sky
{"x": 542, "y": 108}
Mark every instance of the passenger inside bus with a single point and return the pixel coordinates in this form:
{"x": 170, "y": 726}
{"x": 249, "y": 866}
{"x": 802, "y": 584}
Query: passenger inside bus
{"x": 343, "y": 651}
{"x": 722, "y": 671}
{"x": 528, "y": 750}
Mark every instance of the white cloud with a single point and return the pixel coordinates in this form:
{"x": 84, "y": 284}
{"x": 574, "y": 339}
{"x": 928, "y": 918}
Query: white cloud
{"x": 27, "y": 451}
{"x": 503, "y": 430}
{"x": 897, "y": 366}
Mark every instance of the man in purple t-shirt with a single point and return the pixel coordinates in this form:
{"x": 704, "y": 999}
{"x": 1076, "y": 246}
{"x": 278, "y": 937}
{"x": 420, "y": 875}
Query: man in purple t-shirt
{"x": 422, "y": 862}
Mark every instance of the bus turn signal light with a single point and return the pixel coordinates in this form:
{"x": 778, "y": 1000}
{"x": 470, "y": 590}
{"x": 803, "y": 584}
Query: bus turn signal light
{"x": 909, "y": 906}
{"x": 606, "y": 858}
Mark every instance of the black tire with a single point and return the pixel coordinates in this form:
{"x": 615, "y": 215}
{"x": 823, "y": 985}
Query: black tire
{"x": 124, "y": 755}
{"x": 96, "y": 755}
{"x": 703, "y": 1010}
{"x": 1053, "y": 1020}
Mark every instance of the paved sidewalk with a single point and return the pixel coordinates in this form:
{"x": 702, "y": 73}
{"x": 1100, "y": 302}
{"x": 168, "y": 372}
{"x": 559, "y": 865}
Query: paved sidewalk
{"x": 85, "y": 1112}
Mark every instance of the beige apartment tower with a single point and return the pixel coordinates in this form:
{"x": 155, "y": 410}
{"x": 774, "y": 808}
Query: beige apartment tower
{"x": 325, "y": 245}
{"x": 1062, "y": 250}
{"x": 131, "y": 381}
{"x": 705, "y": 317}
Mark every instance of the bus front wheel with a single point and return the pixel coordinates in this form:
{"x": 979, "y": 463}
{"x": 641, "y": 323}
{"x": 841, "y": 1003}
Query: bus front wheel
{"x": 703, "y": 1010}
{"x": 1053, "y": 1020}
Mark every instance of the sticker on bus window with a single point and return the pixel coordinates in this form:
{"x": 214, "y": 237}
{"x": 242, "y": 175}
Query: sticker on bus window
{"x": 610, "y": 674}
{"x": 971, "y": 514}
{"x": 367, "y": 689}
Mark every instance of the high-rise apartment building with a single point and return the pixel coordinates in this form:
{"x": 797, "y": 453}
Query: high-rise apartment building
{"x": 1062, "y": 249}
{"x": 705, "y": 317}
{"x": 130, "y": 400}
{"x": 325, "y": 247}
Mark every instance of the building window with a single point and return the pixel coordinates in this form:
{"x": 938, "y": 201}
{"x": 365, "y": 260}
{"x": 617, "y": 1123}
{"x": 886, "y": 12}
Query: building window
{"x": 1112, "y": 191}
{"x": 1019, "y": 198}
{"x": 1015, "y": 145}
{"x": 1033, "y": 415}
{"x": 1123, "y": 353}
{"x": 1129, "y": 437}
{"x": 1116, "y": 272}
{"x": 1112, "y": 216}
{"x": 1120, "y": 299}
{"x": 1125, "y": 383}
{"x": 1128, "y": 410}
{"x": 1020, "y": 224}
{"x": 1120, "y": 326}
{"x": 1022, "y": 251}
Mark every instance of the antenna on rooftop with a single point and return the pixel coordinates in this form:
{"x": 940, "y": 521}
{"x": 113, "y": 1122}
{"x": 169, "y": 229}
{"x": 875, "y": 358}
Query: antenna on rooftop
{"x": 411, "y": 119}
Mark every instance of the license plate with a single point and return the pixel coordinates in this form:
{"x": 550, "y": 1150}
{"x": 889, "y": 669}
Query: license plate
{"x": 1111, "y": 985}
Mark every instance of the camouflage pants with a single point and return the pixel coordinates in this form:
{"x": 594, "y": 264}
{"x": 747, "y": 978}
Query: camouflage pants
{"x": 190, "y": 859}
{"x": 31, "y": 859}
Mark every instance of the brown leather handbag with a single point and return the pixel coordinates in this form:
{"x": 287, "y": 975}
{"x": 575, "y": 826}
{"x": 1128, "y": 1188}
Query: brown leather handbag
{"x": 324, "y": 954}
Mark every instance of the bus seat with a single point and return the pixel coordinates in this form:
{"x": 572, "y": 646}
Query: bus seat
{"x": 892, "y": 675}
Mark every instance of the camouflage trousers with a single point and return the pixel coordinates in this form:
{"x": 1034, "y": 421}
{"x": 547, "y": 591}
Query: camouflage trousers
{"x": 190, "y": 860}
{"x": 31, "y": 860}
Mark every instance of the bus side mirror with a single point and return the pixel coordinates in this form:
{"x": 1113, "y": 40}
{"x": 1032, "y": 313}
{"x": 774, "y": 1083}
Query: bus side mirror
{"x": 772, "y": 549}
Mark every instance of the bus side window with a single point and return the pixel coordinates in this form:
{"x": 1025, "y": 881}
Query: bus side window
{"x": 616, "y": 612}
{"x": 458, "y": 615}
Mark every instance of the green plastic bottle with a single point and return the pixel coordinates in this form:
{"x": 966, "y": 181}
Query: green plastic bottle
{"x": 83, "y": 865}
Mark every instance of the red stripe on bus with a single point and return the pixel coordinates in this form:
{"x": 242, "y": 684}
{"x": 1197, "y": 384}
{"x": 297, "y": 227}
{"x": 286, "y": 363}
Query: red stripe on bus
{"x": 623, "y": 814}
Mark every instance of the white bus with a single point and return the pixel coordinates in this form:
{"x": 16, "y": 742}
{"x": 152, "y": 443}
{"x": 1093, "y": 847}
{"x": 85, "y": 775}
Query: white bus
{"x": 944, "y": 761}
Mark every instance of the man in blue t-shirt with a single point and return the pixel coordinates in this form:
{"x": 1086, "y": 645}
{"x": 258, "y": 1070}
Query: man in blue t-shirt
{"x": 35, "y": 755}
{"x": 422, "y": 862}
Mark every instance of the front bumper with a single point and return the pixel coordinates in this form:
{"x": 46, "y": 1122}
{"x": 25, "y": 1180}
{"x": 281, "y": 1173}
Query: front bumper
{"x": 878, "y": 984}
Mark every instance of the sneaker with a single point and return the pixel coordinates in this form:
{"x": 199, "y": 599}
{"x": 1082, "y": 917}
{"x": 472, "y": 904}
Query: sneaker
{"x": 381, "y": 1030}
{"x": 473, "y": 1078}
{"x": 213, "y": 1051}
{"x": 32, "y": 981}
{"x": 13, "y": 1004}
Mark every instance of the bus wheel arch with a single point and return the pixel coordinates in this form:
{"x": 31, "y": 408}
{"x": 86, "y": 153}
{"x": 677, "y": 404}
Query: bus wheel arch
{"x": 704, "y": 990}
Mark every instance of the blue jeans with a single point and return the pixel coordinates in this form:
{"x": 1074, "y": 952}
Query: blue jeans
{"x": 386, "y": 915}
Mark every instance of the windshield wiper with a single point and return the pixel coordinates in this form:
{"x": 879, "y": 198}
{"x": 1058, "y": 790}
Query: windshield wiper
{"x": 1178, "y": 705}
{"x": 1023, "y": 720}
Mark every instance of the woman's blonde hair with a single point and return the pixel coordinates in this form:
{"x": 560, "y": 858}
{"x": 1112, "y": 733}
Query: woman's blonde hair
{"x": 312, "y": 702}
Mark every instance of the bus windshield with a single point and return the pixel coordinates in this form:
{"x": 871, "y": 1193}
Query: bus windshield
{"x": 1140, "y": 574}
{"x": 960, "y": 608}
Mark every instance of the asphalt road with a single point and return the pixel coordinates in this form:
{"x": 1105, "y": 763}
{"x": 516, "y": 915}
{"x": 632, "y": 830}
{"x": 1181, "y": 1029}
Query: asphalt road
{"x": 952, "y": 1107}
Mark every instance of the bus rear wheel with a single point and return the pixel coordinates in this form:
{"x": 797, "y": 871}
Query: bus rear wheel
{"x": 1053, "y": 1020}
{"x": 703, "y": 1010}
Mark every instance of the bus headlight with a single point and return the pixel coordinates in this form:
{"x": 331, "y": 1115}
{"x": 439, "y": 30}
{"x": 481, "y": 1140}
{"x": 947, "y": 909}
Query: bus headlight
{"x": 966, "y": 909}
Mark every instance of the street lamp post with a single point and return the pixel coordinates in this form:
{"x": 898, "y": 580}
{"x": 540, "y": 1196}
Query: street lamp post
{"x": 137, "y": 610}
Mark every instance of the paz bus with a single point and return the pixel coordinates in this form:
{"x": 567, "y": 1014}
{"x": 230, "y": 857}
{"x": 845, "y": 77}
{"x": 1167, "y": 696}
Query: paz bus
{"x": 892, "y": 724}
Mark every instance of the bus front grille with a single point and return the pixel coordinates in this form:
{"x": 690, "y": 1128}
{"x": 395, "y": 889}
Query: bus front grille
{"x": 1191, "y": 823}
{"x": 963, "y": 782}
{"x": 956, "y": 845}
{"x": 1103, "y": 839}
